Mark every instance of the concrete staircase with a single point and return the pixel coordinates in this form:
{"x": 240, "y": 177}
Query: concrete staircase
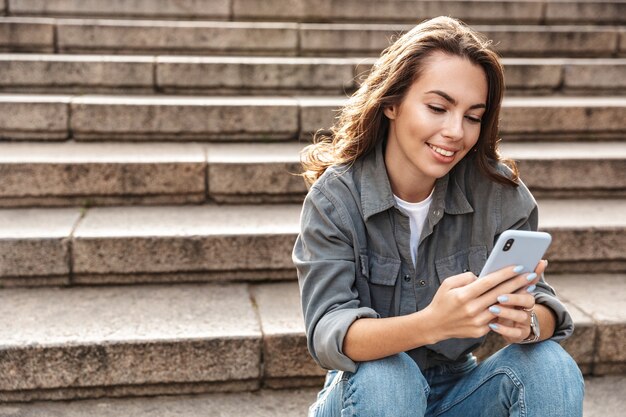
{"x": 149, "y": 207}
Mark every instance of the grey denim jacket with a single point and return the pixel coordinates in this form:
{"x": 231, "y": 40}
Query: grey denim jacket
{"x": 353, "y": 257}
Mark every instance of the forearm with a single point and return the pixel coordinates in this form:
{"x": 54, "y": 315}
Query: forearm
{"x": 370, "y": 339}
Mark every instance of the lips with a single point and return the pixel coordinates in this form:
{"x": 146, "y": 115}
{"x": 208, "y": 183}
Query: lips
{"x": 441, "y": 151}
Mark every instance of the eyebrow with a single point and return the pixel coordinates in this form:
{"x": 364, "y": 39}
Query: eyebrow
{"x": 453, "y": 101}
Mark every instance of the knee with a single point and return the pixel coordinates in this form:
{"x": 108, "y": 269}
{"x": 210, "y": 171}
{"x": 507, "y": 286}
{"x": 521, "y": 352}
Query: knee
{"x": 549, "y": 364}
{"x": 392, "y": 384}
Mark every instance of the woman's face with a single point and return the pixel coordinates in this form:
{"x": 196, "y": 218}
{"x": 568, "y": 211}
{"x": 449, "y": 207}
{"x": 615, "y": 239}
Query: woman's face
{"x": 437, "y": 123}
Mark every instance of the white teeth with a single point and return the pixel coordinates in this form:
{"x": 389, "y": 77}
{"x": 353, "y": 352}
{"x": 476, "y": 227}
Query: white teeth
{"x": 441, "y": 151}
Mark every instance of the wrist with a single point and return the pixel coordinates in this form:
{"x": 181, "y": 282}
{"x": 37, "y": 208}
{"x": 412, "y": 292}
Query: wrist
{"x": 534, "y": 329}
{"x": 430, "y": 326}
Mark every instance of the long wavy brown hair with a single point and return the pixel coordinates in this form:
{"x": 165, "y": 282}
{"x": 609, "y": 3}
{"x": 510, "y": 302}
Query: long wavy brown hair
{"x": 361, "y": 122}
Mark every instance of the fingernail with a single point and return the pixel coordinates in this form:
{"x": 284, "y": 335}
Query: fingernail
{"x": 531, "y": 288}
{"x": 494, "y": 309}
{"x": 493, "y": 326}
{"x": 546, "y": 262}
{"x": 518, "y": 269}
{"x": 503, "y": 299}
{"x": 531, "y": 276}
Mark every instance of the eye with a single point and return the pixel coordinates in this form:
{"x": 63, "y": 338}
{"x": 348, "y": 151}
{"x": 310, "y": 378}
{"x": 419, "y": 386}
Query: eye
{"x": 436, "y": 109}
{"x": 473, "y": 119}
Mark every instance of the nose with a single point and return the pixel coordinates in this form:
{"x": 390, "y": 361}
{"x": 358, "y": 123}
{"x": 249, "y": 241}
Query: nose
{"x": 453, "y": 128}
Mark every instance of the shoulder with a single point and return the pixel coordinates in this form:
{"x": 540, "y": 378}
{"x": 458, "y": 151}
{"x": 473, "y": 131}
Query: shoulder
{"x": 338, "y": 184}
{"x": 508, "y": 203}
{"x": 336, "y": 194}
{"x": 468, "y": 175}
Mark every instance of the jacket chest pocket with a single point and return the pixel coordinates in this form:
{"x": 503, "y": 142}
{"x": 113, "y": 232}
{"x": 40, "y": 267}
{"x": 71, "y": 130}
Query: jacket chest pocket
{"x": 471, "y": 259}
{"x": 381, "y": 274}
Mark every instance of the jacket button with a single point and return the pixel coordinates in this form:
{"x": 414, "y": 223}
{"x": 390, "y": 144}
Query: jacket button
{"x": 422, "y": 283}
{"x": 407, "y": 277}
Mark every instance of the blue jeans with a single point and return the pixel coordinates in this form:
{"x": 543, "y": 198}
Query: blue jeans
{"x": 536, "y": 380}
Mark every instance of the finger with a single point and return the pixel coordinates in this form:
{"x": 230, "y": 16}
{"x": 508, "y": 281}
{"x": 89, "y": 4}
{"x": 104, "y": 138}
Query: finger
{"x": 508, "y": 313}
{"x": 520, "y": 300}
{"x": 488, "y": 282}
{"x": 508, "y": 287}
{"x": 460, "y": 280}
{"x": 529, "y": 289}
{"x": 509, "y": 332}
{"x": 541, "y": 267}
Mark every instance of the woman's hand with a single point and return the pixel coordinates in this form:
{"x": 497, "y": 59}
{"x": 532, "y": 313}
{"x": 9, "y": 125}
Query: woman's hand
{"x": 460, "y": 307}
{"x": 512, "y": 320}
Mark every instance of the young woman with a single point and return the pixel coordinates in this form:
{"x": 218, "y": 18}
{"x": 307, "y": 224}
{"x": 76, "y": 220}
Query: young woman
{"x": 407, "y": 199}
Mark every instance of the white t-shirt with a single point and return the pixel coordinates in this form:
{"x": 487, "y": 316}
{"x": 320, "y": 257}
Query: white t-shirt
{"x": 417, "y": 213}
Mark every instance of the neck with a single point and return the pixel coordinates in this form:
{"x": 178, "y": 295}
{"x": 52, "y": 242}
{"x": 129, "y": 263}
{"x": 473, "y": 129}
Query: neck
{"x": 407, "y": 184}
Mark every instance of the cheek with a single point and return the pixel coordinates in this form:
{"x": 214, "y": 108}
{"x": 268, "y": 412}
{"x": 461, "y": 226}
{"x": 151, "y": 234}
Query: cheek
{"x": 474, "y": 135}
{"x": 421, "y": 123}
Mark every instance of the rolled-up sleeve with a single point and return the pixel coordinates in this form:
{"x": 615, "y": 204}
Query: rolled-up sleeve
{"x": 325, "y": 260}
{"x": 520, "y": 211}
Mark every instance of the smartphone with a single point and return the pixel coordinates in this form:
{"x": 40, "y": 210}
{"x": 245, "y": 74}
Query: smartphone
{"x": 517, "y": 247}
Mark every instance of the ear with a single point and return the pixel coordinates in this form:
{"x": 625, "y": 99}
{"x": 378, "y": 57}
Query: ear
{"x": 391, "y": 111}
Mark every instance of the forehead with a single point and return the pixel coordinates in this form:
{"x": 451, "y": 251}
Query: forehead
{"x": 460, "y": 78}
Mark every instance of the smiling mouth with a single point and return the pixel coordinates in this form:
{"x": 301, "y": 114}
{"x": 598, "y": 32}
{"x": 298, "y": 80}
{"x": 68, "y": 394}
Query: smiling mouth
{"x": 441, "y": 151}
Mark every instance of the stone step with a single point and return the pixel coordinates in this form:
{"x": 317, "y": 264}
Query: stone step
{"x": 32, "y": 34}
{"x": 267, "y": 118}
{"x": 58, "y": 73}
{"x": 88, "y": 174}
{"x": 132, "y": 341}
{"x": 604, "y": 397}
{"x": 133, "y": 245}
{"x": 409, "y": 11}
{"x": 263, "y": 403}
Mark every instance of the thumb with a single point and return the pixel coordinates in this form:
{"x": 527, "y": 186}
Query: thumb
{"x": 461, "y": 280}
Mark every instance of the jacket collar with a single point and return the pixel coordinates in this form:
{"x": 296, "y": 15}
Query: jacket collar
{"x": 376, "y": 194}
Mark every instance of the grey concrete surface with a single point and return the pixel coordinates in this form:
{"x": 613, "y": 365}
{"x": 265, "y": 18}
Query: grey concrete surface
{"x": 396, "y": 11}
{"x": 266, "y": 118}
{"x": 570, "y": 41}
{"x": 101, "y": 169}
{"x": 257, "y": 73}
{"x": 265, "y": 403}
{"x": 558, "y": 117}
{"x": 137, "y": 240}
{"x": 284, "y": 343}
{"x": 103, "y": 173}
{"x": 55, "y": 72}
{"x": 119, "y": 336}
{"x": 61, "y": 73}
{"x": 582, "y": 344}
{"x": 261, "y": 38}
{"x": 576, "y": 242}
{"x": 602, "y": 297}
{"x": 584, "y": 74}
{"x": 176, "y": 37}
{"x": 207, "y": 9}
{"x": 524, "y": 41}
{"x": 554, "y": 168}
{"x": 250, "y": 173}
{"x": 34, "y": 116}
{"x": 35, "y": 242}
{"x": 177, "y": 118}
{"x": 515, "y": 12}
{"x": 231, "y": 240}
{"x": 605, "y": 396}
{"x": 26, "y": 34}
{"x": 590, "y": 12}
